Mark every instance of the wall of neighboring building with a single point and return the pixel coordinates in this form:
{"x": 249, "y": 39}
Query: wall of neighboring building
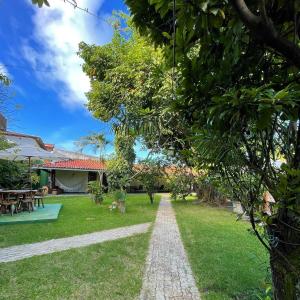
{"x": 44, "y": 178}
{"x": 72, "y": 181}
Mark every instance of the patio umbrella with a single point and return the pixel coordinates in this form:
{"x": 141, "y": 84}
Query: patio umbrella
{"x": 26, "y": 148}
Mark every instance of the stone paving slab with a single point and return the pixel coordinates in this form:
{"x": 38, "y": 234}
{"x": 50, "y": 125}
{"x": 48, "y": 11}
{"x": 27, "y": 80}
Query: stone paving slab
{"x": 168, "y": 274}
{"x": 28, "y": 250}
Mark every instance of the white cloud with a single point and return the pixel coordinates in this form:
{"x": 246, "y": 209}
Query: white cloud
{"x": 57, "y": 32}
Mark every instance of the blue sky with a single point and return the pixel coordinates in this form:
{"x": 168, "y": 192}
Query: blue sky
{"x": 38, "y": 52}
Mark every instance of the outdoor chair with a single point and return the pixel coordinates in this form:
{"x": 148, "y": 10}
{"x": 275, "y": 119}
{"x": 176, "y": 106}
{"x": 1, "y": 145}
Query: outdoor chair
{"x": 9, "y": 203}
{"x": 28, "y": 202}
{"x": 39, "y": 196}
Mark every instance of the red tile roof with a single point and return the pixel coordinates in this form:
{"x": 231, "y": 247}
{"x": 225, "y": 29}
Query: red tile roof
{"x": 78, "y": 164}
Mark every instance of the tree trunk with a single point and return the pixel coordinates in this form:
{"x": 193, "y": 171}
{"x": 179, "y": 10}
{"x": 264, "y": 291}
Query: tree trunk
{"x": 285, "y": 256}
{"x": 286, "y": 283}
{"x": 151, "y": 198}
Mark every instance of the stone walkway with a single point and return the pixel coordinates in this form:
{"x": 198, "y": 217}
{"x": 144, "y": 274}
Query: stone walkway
{"x": 168, "y": 274}
{"x": 28, "y": 250}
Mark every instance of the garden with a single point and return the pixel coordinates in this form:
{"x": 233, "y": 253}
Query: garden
{"x": 210, "y": 91}
{"x": 80, "y": 215}
{"x": 227, "y": 261}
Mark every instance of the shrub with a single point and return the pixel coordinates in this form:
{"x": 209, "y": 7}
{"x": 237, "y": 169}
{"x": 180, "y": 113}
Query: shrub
{"x": 96, "y": 191}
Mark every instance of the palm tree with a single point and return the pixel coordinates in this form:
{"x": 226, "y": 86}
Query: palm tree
{"x": 97, "y": 141}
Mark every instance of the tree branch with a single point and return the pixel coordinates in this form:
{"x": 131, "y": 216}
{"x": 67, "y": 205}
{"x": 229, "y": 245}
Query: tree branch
{"x": 263, "y": 29}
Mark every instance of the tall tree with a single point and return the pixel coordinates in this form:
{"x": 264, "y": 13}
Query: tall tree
{"x": 238, "y": 89}
{"x": 130, "y": 85}
{"x": 97, "y": 141}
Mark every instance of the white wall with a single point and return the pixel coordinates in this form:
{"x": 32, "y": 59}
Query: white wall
{"x": 72, "y": 181}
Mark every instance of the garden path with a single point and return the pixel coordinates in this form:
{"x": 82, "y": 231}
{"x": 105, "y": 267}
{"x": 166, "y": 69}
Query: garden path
{"x": 168, "y": 274}
{"x": 55, "y": 245}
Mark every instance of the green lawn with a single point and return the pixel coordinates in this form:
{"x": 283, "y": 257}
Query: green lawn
{"x": 80, "y": 215}
{"x": 111, "y": 270}
{"x": 228, "y": 262}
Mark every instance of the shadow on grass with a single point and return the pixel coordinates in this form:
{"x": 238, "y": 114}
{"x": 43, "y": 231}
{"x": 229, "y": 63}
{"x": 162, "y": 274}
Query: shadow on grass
{"x": 228, "y": 262}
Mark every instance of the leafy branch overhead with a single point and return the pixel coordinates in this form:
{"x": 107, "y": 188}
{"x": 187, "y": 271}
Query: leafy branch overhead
{"x": 237, "y": 93}
{"x": 40, "y": 3}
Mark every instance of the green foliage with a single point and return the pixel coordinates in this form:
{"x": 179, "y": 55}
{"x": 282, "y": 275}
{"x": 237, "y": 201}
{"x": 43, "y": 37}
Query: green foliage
{"x": 222, "y": 100}
{"x": 240, "y": 106}
{"x": 130, "y": 86}
{"x": 4, "y": 80}
{"x": 14, "y": 175}
{"x": 95, "y": 140}
{"x": 212, "y": 189}
{"x": 40, "y": 3}
{"x": 118, "y": 174}
{"x": 180, "y": 183}
{"x": 119, "y": 196}
{"x": 121, "y": 74}
{"x": 237, "y": 92}
{"x": 35, "y": 178}
{"x": 4, "y": 144}
{"x": 124, "y": 147}
{"x": 96, "y": 191}
{"x": 267, "y": 295}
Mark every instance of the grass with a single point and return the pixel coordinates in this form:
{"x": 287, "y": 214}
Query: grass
{"x": 228, "y": 262}
{"x": 111, "y": 270}
{"x": 80, "y": 215}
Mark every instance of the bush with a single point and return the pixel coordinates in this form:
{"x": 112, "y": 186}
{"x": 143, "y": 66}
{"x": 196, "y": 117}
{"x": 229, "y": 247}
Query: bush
{"x": 14, "y": 175}
{"x": 96, "y": 191}
{"x": 180, "y": 185}
{"x": 211, "y": 190}
{"x": 119, "y": 197}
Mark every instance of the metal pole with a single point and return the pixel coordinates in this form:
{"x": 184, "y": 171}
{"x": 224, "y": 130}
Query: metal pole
{"x": 29, "y": 161}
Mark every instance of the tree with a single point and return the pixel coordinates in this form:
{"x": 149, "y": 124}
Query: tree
{"x": 120, "y": 166}
{"x": 130, "y": 85}
{"x": 149, "y": 173}
{"x": 238, "y": 89}
{"x": 13, "y": 174}
{"x": 124, "y": 147}
{"x": 96, "y": 140}
{"x": 4, "y": 84}
{"x": 181, "y": 182}
{"x": 119, "y": 173}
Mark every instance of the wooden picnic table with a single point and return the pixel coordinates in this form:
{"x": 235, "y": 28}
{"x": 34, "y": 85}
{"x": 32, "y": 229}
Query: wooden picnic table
{"x": 17, "y": 191}
{"x": 17, "y": 200}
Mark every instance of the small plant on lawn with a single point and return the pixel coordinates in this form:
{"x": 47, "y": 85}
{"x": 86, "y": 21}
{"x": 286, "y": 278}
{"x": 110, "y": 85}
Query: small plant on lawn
{"x": 120, "y": 197}
{"x": 96, "y": 192}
